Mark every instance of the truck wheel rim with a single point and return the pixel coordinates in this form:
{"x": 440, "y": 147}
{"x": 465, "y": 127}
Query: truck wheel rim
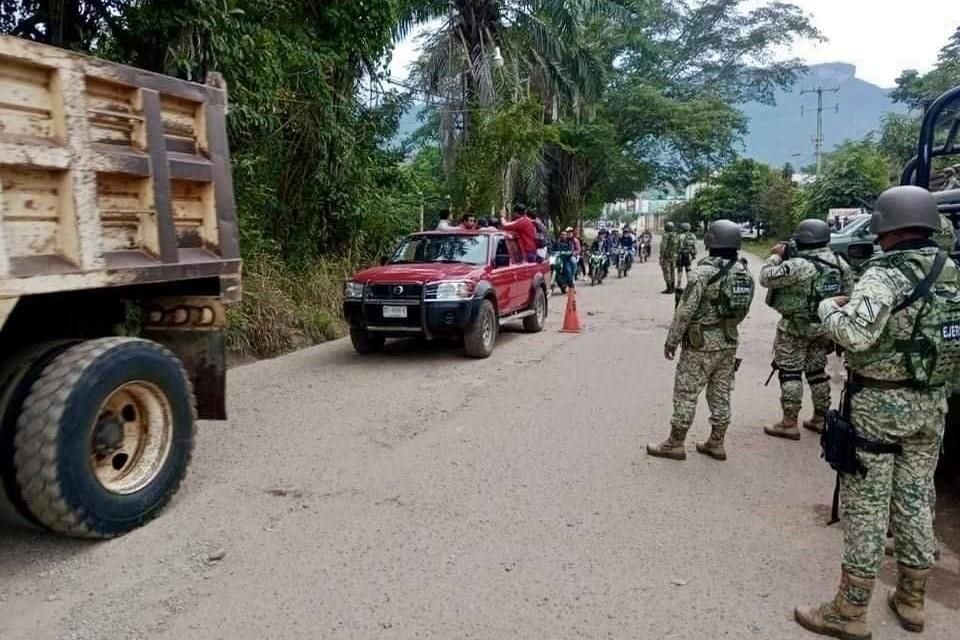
{"x": 486, "y": 330}
{"x": 132, "y": 437}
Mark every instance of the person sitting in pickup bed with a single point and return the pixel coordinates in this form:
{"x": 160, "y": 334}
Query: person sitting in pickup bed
{"x": 526, "y": 232}
{"x": 468, "y": 222}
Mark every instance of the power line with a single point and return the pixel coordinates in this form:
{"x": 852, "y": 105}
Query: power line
{"x": 818, "y": 140}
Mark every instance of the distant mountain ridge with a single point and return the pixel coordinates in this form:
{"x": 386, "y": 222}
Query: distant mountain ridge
{"x": 778, "y": 133}
{"x": 781, "y": 133}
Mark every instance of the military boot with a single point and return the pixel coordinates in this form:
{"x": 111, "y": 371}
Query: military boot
{"x": 907, "y": 600}
{"x": 672, "y": 447}
{"x": 667, "y": 290}
{"x": 713, "y": 447}
{"x": 786, "y": 428}
{"x": 846, "y": 616}
{"x": 816, "y": 423}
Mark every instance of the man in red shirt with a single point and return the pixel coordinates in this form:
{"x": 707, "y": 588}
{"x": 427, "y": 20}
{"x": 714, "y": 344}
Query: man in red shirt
{"x": 526, "y": 232}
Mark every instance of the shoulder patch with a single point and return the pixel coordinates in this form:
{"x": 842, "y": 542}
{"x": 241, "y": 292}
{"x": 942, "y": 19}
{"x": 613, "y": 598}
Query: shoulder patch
{"x": 866, "y": 312}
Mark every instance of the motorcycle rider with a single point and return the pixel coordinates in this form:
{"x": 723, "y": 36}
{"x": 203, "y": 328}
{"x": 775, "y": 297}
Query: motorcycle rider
{"x": 564, "y": 246}
{"x": 629, "y": 244}
{"x": 646, "y": 242}
{"x": 602, "y": 247}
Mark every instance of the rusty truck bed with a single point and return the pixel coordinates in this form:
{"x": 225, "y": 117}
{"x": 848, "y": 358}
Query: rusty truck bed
{"x": 109, "y": 175}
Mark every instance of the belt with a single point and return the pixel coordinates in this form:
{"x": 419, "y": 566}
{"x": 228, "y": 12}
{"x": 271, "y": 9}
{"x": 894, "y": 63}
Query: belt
{"x": 873, "y": 383}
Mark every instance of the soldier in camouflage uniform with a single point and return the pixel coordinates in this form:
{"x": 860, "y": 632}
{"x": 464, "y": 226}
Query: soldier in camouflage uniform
{"x": 668, "y": 257}
{"x": 890, "y": 405}
{"x": 795, "y": 286}
{"x": 685, "y": 251}
{"x": 705, "y": 323}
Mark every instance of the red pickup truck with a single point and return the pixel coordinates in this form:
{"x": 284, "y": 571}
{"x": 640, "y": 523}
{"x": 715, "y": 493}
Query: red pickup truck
{"x": 447, "y": 283}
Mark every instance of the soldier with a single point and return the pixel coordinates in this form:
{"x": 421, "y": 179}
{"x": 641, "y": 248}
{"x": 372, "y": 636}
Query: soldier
{"x": 714, "y": 303}
{"x": 686, "y": 250}
{"x": 668, "y": 257}
{"x": 796, "y": 282}
{"x": 901, "y": 331}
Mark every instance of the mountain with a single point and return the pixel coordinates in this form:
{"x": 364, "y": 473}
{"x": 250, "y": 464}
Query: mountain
{"x": 779, "y": 132}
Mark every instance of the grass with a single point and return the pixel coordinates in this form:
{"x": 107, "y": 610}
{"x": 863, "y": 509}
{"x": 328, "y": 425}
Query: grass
{"x": 284, "y": 310}
{"x": 759, "y": 248}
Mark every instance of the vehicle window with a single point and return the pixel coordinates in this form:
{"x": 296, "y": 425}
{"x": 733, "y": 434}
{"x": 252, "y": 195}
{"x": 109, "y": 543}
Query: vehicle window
{"x": 854, "y": 225}
{"x": 514, "y": 249}
{"x": 502, "y": 248}
{"x": 468, "y": 249}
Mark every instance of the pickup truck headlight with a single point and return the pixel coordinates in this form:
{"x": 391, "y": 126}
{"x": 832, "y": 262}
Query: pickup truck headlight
{"x": 451, "y": 291}
{"x": 353, "y": 291}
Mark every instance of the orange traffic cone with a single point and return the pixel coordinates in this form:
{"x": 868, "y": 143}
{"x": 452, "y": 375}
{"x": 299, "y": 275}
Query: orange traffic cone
{"x": 571, "y": 319}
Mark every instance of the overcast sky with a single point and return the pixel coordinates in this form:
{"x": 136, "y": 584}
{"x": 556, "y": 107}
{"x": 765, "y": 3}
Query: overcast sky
{"x": 881, "y": 37}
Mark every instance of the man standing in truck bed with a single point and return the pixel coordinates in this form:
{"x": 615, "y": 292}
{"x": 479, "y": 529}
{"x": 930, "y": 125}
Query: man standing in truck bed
{"x": 526, "y": 231}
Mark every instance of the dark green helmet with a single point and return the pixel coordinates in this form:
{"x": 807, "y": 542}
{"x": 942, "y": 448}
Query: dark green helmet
{"x": 904, "y": 208}
{"x": 668, "y": 226}
{"x": 812, "y": 232}
{"x": 684, "y": 226}
{"x": 723, "y": 234}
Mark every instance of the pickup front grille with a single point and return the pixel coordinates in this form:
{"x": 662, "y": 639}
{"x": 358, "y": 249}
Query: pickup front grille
{"x": 395, "y": 291}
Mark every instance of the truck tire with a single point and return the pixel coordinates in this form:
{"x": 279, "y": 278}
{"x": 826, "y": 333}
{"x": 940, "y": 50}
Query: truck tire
{"x": 481, "y": 336}
{"x": 365, "y": 342}
{"x": 536, "y": 322}
{"x": 17, "y": 374}
{"x": 105, "y": 437}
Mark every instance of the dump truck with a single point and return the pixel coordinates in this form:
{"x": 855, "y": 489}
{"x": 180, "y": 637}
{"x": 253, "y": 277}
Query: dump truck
{"x": 118, "y": 253}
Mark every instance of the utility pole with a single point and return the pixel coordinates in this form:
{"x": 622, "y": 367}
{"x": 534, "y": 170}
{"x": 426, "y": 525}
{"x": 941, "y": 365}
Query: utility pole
{"x": 818, "y": 140}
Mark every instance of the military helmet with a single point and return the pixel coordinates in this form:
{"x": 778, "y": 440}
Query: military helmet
{"x": 812, "y": 232}
{"x": 685, "y": 226}
{"x": 723, "y": 234}
{"x": 668, "y": 226}
{"x": 906, "y": 207}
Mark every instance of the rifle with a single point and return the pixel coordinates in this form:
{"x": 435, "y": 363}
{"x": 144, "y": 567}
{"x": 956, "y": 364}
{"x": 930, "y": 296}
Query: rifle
{"x": 773, "y": 370}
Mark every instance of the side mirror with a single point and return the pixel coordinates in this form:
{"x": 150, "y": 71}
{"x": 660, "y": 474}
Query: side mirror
{"x": 500, "y": 261}
{"x": 384, "y": 260}
{"x": 860, "y": 250}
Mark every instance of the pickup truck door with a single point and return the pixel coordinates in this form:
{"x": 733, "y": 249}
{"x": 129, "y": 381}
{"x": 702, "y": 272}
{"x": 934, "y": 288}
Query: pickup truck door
{"x": 504, "y": 278}
{"x": 522, "y": 275}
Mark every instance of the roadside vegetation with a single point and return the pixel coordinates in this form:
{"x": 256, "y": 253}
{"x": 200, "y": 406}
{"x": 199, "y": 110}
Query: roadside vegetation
{"x": 561, "y": 104}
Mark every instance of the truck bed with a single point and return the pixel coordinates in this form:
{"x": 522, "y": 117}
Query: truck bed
{"x": 109, "y": 175}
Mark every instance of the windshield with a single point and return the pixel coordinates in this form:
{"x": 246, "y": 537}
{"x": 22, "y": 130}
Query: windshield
{"x": 854, "y": 225}
{"x": 442, "y": 248}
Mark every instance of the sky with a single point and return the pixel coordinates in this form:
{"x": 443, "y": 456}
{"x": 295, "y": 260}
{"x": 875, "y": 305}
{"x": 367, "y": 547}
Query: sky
{"x": 880, "y": 37}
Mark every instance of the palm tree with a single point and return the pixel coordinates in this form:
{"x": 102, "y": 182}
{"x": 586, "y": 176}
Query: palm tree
{"x": 490, "y": 52}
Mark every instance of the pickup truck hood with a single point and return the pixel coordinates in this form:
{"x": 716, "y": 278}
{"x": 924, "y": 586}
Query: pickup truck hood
{"x": 418, "y": 273}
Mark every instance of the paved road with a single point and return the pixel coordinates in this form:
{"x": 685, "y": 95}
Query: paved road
{"x": 418, "y": 494}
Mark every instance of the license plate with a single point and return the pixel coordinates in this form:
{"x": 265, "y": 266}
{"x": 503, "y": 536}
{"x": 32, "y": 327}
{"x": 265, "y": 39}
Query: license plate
{"x": 394, "y": 312}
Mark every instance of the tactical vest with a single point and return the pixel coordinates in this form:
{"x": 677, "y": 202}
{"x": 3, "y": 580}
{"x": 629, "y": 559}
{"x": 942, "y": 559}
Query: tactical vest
{"x": 921, "y": 341}
{"x": 800, "y": 302}
{"x": 726, "y": 300}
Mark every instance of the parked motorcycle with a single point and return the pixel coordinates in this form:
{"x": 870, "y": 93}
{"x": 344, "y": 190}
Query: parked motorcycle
{"x": 599, "y": 267}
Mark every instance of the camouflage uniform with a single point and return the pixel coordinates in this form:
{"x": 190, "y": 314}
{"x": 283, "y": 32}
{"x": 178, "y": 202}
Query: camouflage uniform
{"x": 686, "y": 244}
{"x": 800, "y": 347}
{"x": 914, "y": 418}
{"x": 668, "y": 258}
{"x": 709, "y": 352}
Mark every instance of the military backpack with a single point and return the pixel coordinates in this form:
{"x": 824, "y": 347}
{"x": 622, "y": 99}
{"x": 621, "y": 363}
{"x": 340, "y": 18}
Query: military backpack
{"x": 736, "y": 292}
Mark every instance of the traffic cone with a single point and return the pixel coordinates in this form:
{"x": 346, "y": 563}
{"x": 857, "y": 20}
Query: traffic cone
{"x": 571, "y": 319}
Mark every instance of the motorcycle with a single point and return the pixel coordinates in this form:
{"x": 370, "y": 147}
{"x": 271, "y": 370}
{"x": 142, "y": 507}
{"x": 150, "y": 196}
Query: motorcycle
{"x": 558, "y": 262}
{"x": 624, "y": 260}
{"x": 599, "y": 266}
{"x": 645, "y": 251}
